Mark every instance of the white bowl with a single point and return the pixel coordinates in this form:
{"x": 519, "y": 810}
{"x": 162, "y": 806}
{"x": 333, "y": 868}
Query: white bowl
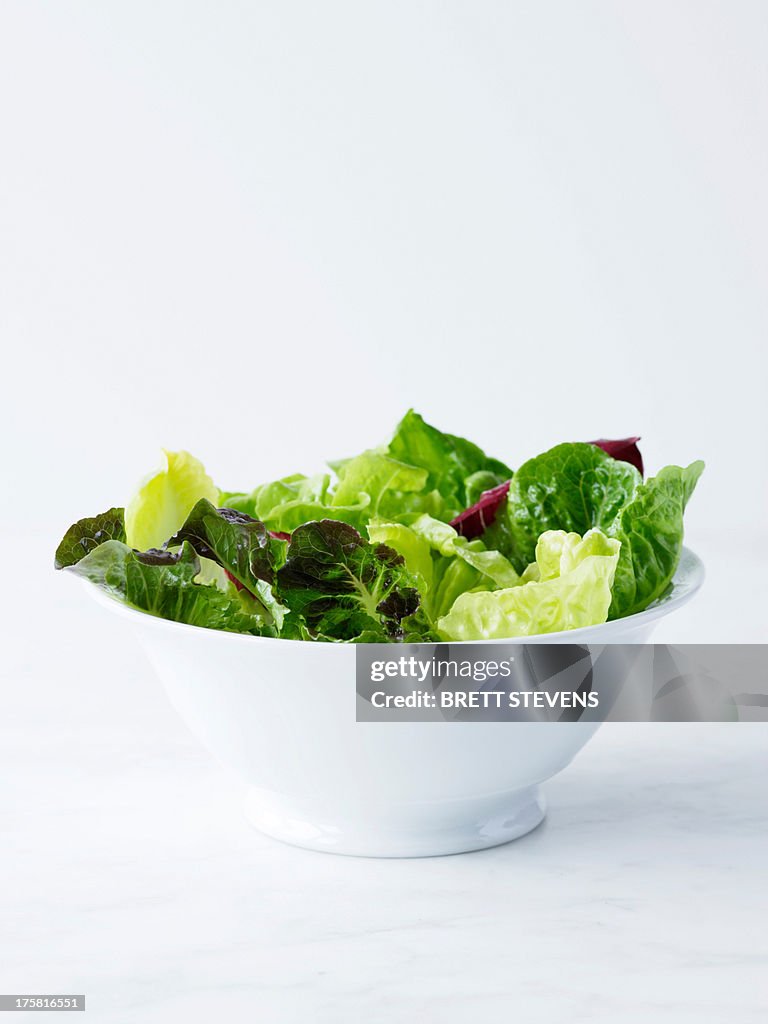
{"x": 282, "y": 713}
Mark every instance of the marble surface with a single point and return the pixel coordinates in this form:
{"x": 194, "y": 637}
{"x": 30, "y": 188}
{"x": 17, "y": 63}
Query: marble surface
{"x": 128, "y": 872}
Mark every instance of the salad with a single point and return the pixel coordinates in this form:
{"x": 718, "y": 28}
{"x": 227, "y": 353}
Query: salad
{"x": 425, "y": 538}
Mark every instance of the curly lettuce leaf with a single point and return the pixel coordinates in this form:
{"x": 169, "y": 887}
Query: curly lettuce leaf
{"x": 379, "y": 484}
{"x": 282, "y": 505}
{"x": 162, "y": 583}
{"x": 568, "y": 587}
{"x": 260, "y": 502}
{"x": 86, "y": 534}
{"x": 344, "y": 587}
{"x": 165, "y": 499}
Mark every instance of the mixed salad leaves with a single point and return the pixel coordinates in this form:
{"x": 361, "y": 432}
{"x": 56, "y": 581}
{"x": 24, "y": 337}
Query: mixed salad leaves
{"x": 425, "y": 538}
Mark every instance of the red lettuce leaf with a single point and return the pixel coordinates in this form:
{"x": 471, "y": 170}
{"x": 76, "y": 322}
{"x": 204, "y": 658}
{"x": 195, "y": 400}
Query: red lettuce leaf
{"x": 625, "y": 450}
{"x": 236, "y": 581}
{"x": 474, "y": 521}
{"x": 241, "y": 586}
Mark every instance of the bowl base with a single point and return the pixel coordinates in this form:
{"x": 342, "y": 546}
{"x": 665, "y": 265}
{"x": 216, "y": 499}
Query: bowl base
{"x": 433, "y": 830}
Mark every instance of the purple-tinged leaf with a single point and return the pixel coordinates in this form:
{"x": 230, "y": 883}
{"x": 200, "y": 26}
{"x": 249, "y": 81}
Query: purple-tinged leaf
{"x": 624, "y": 450}
{"x": 474, "y": 521}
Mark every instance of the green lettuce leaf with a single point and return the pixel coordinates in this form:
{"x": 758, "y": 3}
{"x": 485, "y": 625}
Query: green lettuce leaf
{"x": 456, "y": 468}
{"x": 86, "y": 534}
{"x": 342, "y": 586}
{"x": 415, "y": 550}
{"x": 165, "y": 499}
{"x": 480, "y": 483}
{"x": 650, "y": 528}
{"x": 282, "y": 505}
{"x": 443, "y": 563}
{"x": 377, "y": 483}
{"x": 577, "y": 487}
{"x": 572, "y": 487}
{"x": 162, "y": 583}
{"x": 453, "y": 577}
{"x": 288, "y": 558}
{"x": 421, "y": 471}
{"x": 242, "y": 546}
{"x": 447, "y": 542}
{"x": 569, "y": 587}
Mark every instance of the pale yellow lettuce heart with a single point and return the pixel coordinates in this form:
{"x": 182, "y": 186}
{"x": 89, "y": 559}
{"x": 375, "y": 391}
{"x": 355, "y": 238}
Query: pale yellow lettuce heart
{"x": 568, "y": 587}
{"x": 164, "y": 500}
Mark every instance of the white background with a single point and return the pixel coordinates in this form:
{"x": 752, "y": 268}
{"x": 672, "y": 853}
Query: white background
{"x": 261, "y": 231}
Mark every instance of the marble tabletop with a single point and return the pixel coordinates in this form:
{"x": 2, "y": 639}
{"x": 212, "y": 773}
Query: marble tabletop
{"x": 128, "y": 873}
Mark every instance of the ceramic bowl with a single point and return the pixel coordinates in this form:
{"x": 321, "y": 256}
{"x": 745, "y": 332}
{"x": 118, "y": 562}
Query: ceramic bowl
{"x": 282, "y": 713}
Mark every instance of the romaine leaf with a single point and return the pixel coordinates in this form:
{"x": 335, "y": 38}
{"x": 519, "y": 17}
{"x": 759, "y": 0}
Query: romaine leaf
{"x": 452, "y": 463}
{"x": 86, "y": 534}
{"x": 577, "y": 486}
{"x": 342, "y": 586}
{"x": 162, "y": 583}
{"x": 165, "y": 499}
{"x": 483, "y": 513}
{"x": 650, "y": 528}
{"x": 569, "y": 587}
{"x": 572, "y": 487}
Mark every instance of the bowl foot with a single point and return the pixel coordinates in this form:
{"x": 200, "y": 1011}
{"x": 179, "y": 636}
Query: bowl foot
{"x": 425, "y": 830}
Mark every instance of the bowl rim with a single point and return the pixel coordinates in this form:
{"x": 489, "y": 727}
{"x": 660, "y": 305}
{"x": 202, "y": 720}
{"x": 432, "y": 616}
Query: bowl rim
{"x": 688, "y": 578}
